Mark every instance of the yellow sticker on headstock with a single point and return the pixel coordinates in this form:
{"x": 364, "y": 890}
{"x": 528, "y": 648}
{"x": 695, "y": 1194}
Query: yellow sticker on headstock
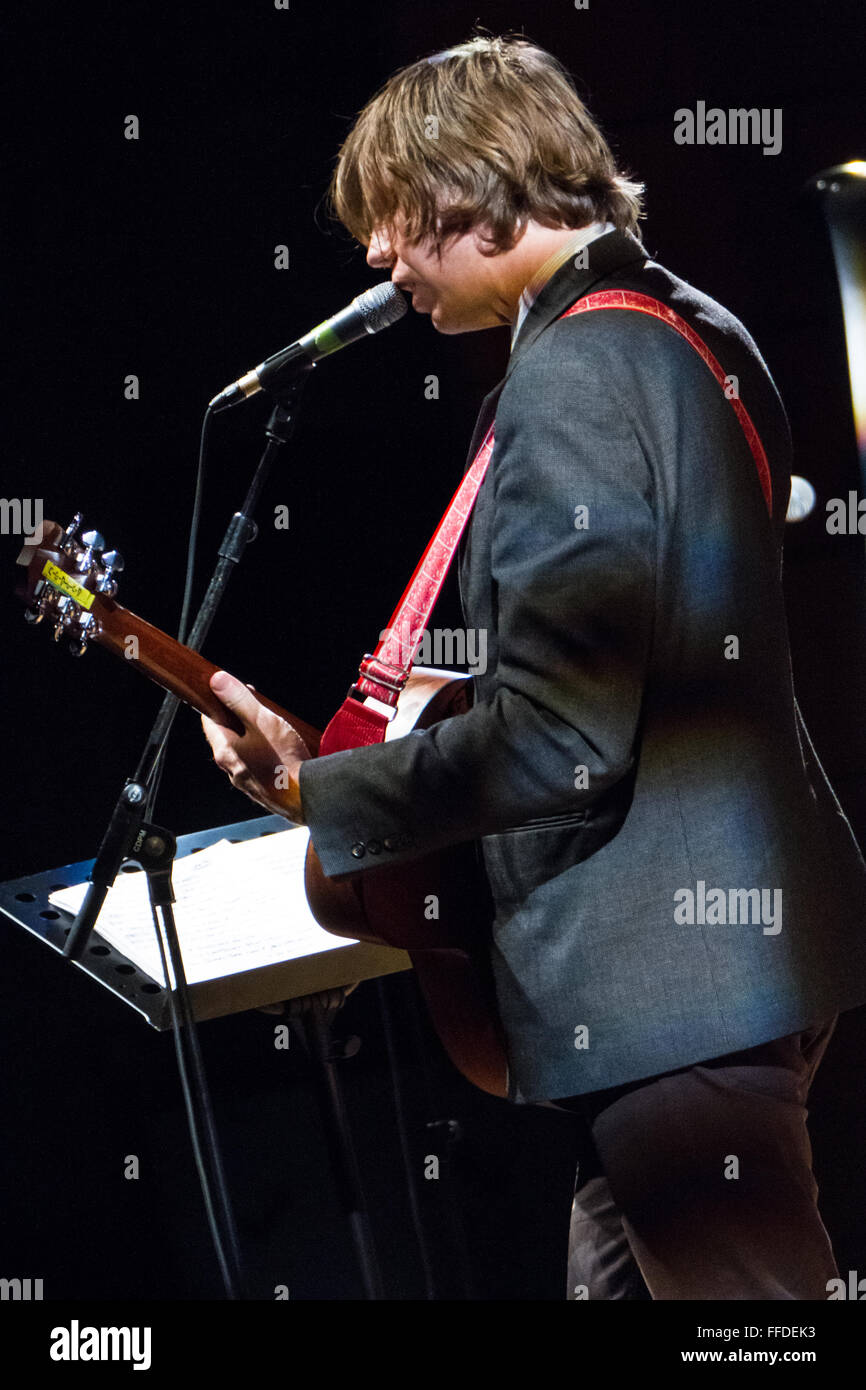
{"x": 59, "y": 579}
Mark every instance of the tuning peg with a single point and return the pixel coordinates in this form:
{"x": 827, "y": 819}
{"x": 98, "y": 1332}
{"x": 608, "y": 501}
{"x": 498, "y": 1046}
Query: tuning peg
{"x": 112, "y": 562}
{"x": 61, "y": 614}
{"x": 95, "y": 543}
{"x": 69, "y": 534}
{"x": 33, "y": 615}
{"x": 86, "y": 626}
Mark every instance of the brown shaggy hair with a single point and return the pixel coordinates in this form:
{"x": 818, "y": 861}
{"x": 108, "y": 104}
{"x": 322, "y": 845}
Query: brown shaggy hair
{"x": 486, "y": 135}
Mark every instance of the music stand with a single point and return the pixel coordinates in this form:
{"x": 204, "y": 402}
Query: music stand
{"x": 314, "y": 986}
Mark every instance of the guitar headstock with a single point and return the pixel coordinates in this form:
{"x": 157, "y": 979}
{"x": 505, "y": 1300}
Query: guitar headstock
{"x": 66, "y": 574}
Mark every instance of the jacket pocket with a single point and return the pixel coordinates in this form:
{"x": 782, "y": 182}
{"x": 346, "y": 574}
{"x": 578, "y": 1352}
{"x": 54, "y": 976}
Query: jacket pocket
{"x": 523, "y": 857}
{"x": 565, "y": 818}
{"x": 520, "y": 859}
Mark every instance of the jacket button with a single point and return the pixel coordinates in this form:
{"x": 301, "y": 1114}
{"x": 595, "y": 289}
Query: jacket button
{"x": 374, "y": 847}
{"x": 359, "y": 850}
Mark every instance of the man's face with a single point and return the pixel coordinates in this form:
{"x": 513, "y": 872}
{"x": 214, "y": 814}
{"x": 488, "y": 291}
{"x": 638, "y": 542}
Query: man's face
{"x": 461, "y": 291}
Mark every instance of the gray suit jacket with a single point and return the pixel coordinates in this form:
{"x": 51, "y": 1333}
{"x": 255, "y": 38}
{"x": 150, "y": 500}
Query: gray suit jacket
{"x": 673, "y": 877}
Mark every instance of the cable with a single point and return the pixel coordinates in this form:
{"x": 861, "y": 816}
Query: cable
{"x": 194, "y": 525}
{"x": 200, "y": 1118}
{"x": 183, "y": 624}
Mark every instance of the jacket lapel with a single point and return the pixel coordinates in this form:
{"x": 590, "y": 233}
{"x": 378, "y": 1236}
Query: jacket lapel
{"x": 605, "y": 257}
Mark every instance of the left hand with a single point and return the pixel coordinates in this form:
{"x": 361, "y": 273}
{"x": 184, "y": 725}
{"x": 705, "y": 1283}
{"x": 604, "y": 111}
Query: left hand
{"x": 265, "y": 759}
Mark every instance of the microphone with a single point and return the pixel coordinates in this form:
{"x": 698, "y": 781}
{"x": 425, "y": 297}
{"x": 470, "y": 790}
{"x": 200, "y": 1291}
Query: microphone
{"x": 371, "y": 311}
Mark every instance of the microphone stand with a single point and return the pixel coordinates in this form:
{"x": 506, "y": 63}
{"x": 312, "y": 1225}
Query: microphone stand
{"x": 130, "y": 836}
{"x": 128, "y": 816}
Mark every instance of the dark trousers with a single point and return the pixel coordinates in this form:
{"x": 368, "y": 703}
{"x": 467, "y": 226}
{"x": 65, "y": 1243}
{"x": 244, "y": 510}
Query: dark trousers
{"x": 698, "y": 1183}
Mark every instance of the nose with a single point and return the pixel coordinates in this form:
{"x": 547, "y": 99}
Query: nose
{"x": 379, "y": 253}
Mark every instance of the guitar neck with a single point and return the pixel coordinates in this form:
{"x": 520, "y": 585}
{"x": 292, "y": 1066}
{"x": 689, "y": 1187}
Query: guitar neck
{"x": 176, "y": 668}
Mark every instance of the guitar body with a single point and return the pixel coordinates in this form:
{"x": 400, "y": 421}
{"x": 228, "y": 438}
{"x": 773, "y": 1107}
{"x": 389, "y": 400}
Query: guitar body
{"x": 437, "y": 908}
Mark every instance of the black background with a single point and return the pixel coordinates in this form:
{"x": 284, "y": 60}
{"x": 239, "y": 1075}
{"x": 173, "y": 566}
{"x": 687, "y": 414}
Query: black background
{"x": 156, "y": 257}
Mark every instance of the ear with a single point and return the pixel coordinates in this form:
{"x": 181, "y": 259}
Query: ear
{"x": 485, "y": 242}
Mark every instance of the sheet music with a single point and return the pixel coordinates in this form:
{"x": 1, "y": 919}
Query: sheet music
{"x": 239, "y": 906}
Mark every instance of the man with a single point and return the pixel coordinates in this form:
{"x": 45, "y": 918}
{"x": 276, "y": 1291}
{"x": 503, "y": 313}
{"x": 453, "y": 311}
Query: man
{"x": 679, "y": 900}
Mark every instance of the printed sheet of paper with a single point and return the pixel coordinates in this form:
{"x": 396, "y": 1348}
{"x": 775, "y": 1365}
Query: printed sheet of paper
{"x": 239, "y": 906}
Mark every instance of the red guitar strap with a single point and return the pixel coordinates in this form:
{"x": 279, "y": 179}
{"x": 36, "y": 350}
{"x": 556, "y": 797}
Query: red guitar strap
{"x": 383, "y": 674}
{"x": 628, "y": 299}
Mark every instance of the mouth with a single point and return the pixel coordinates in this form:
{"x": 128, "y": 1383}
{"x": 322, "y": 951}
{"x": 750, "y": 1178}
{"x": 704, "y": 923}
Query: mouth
{"x": 411, "y": 290}
{"x": 418, "y": 301}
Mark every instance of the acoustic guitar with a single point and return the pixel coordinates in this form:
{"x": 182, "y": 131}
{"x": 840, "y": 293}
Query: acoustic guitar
{"x": 437, "y": 908}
